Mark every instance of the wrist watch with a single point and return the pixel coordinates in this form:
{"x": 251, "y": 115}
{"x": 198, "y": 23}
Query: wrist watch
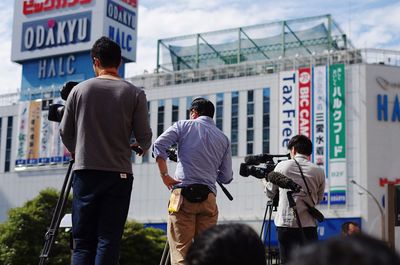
{"x": 164, "y": 174}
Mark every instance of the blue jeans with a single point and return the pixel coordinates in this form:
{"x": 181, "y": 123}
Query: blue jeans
{"x": 99, "y": 209}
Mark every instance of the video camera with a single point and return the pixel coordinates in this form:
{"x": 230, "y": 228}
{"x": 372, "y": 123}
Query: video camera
{"x": 250, "y": 166}
{"x": 56, "y": 111}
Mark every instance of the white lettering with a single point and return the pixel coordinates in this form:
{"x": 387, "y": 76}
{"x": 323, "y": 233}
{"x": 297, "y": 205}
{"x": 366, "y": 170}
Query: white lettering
{"x": 29, "y": 37}
{"x": 71, "y": 24}
{"x": 60, "y": 32}
{"x": 40, "y": 32}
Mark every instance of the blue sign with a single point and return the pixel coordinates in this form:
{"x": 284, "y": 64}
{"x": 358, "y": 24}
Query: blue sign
{"x": 44, "y": 73}
{"x": 54, "y": 32}
{"x": 329, "y": 228}
{"x": 121, "y": 14}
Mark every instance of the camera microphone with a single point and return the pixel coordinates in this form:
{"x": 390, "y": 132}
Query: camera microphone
{"x": 256, "y": 159}
{"x": 283, "y": 182}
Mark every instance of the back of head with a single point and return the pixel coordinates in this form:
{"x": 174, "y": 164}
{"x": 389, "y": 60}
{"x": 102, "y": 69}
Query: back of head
{"x": 203, "y": 106}
{"x": 355, "y": 250}
{"x": 228, "y": 244}
{"x": 302, "y": 144}
{"x": 107, "y": 51}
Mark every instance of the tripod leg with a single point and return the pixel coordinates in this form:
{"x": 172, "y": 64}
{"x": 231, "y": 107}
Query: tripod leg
{"x": 165, "y": 258}
{"x": 57, "y": 215}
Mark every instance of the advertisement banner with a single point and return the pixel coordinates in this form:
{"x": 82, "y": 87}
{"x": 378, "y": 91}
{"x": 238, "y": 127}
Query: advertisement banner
{"x": 320, "y": 123}
{"x": 35, "y": 111}
{"x": 337, "y": 135}
{"x": 23, "y": 123}
{"x": 304, "y": 102}
{"x": 45, "y": 132}
{"x": 56, "y": 146}
{"x": 287, "y": 109}
{"x": 39, "y": 141}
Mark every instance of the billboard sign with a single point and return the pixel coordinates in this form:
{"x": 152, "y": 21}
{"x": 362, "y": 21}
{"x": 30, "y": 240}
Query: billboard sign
{"x": 46, "y": 28}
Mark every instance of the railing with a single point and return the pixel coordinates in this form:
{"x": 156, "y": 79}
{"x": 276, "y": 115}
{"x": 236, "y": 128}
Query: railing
{"x": 254, "y": 68}
{"x": 368, "y": 56}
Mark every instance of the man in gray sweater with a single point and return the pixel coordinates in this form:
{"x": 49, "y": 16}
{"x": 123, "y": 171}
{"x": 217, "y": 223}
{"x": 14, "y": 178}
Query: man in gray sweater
{"x": 100, "y": 115}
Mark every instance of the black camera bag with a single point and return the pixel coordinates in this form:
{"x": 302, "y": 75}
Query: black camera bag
{"x": 196, "y": 192}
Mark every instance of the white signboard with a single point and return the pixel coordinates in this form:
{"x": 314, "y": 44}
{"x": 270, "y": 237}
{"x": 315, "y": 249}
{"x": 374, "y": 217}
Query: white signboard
{"x": 45, "y": 28}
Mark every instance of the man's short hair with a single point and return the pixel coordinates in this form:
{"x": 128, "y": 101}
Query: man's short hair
{"x": 360, "y": 249}
{"x": 107, "y": 51}
{"x": 302, "y": 144}
{"x": 203, "y": 106}
{"x": 227, "y": 244}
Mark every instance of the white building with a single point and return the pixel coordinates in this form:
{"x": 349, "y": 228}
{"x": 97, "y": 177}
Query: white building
{"x": 250, "y": 96}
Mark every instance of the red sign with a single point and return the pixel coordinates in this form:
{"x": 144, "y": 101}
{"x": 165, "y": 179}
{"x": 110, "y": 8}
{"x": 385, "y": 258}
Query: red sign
{"x": 305, "y": 102}
{"x": 39, "y": 6}
{"x": 131, "y": 2}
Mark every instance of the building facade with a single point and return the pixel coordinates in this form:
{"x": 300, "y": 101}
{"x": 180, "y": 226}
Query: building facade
{"x": 265, "y": 91}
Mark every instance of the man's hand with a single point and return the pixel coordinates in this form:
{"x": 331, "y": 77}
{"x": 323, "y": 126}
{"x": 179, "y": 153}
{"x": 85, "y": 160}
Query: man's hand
{"x": 169, "y": 181}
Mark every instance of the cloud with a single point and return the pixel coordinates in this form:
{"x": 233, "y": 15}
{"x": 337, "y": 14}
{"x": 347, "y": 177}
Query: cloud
{"x": 174, "y": 20}
{"x": 10, "y": 72}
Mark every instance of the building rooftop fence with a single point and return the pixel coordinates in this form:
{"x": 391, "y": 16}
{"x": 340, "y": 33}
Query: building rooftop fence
{"x": 221, "y": 72}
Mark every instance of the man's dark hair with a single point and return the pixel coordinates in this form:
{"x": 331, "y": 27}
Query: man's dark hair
{"x": 227, "y": 244}
{"x": 359, "y": 249}
{"x": 302, "y": 144}
{"x": 203, "y": 107}
{"x": 107, "y": 51}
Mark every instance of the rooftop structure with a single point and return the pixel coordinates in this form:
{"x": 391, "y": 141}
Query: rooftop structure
{"x": 287, "y": 38}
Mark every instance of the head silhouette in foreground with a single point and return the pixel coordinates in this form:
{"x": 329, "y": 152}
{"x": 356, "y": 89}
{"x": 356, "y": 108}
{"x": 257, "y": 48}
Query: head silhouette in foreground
{"x": 227, "y": 244}
{"x": 358, "y": 249}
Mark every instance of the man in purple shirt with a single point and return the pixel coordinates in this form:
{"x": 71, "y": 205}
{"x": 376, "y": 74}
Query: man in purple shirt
{"x": 204, "y": 156}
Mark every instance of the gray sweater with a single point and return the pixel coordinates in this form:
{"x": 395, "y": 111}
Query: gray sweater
{"x": 99, "y": 117}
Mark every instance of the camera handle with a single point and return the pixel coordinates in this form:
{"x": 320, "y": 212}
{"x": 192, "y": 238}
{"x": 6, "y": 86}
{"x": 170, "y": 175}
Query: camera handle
{"x": 292, "y": 205}
{"x": 52, "y": 231}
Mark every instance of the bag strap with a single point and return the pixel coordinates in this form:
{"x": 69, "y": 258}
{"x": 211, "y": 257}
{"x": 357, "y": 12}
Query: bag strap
{"x": 305, "y": 182}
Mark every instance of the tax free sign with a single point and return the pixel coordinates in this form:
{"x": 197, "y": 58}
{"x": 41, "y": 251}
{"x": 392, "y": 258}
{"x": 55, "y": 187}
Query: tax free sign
{"x": 46, "y": 28}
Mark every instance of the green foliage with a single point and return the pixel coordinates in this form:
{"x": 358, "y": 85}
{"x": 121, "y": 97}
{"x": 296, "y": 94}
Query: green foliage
{"x": 141, "y": 246}
{"x": 22, "y": 235}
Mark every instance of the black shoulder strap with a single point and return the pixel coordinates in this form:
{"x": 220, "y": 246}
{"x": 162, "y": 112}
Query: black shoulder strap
{"x": 304, "y": 179}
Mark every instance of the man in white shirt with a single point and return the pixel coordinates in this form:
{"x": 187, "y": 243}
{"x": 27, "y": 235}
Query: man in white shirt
{"x": 290, "y": 235}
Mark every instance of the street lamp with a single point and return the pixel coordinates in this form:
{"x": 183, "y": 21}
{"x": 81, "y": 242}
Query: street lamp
{"x": 379, "y": 207}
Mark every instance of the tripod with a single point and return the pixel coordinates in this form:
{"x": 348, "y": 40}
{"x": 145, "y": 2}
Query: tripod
{"x": 268, "y": 208}
{"x": 52, "y": 231}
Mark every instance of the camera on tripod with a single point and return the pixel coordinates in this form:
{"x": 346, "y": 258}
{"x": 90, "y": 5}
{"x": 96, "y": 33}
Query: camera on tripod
{"x": 56, "y": 111}
{"x": 251, "y": 168}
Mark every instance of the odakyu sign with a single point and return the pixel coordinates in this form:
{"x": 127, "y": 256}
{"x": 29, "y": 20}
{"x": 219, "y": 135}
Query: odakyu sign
{"x": 46, "y": 28}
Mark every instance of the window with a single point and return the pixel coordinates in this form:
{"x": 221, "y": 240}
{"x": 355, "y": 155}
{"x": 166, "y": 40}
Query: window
{"x": 250, "y": 122}
{"x": 266, "y": 101}
{"x": 235, "y": 123}
{"x": 188, "y": 104}
{"x": 175, "y": 109}
{"x": 219, "y": 112}
{"x": 145, "y": 158}
{"x": 8, "y": 144}
{"x": 160, "y": 117}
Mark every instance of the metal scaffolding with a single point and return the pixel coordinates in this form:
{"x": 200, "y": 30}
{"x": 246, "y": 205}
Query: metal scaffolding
{"x": 296, "y": 37}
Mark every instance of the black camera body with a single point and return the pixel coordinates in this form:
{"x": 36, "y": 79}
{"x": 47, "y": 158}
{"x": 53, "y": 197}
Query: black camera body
{"x": 250, "y": 168}
{"x": 56, "y": 111}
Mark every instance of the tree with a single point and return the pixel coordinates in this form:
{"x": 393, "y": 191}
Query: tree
{"x": 22, "y": 235}
{"x": 141, "y": 246}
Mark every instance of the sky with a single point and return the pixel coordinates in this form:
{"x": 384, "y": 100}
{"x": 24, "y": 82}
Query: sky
{"x": 367, "y": 23}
